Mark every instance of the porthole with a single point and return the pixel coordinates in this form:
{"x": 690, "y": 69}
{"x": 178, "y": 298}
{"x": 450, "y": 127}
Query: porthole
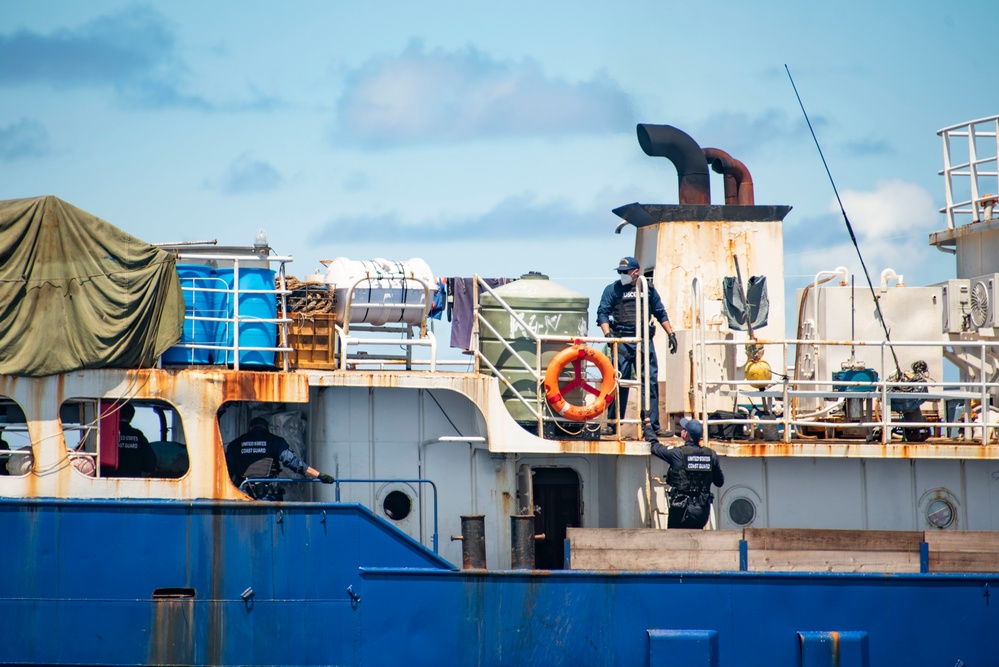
{"x": 940, "y": 513}
{"x": 397, "y": 505}
{"x": 742, "y": 511}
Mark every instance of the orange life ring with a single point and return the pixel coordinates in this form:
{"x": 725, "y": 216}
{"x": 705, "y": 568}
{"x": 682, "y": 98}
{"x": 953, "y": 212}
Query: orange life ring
{"x": 554, "y": 393}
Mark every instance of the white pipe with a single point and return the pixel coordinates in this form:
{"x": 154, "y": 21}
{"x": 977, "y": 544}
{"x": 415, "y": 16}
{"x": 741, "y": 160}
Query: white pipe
{"x": 700, "y": 327}
{"x": 889, "y": 274}
{"x": 821, "y": 412}
{"x": 843, "y": 273}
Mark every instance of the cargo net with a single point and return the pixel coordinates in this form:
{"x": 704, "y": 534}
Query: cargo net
{"x": 309, "y": 298}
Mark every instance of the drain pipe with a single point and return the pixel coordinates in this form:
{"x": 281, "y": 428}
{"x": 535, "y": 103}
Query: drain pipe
{"x": 688, "y": 158}
{"x": 738, "y": 181}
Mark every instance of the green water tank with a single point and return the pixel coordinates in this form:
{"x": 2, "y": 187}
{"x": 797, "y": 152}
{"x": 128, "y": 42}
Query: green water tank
{"x": 547, "y": 309}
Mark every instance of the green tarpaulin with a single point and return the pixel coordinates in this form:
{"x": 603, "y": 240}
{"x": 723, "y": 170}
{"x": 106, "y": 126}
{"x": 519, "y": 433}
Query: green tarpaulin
{"x": 77, "y": 292}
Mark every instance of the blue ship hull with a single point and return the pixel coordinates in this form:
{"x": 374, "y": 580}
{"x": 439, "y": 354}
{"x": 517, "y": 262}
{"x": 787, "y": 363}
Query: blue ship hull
{"x": 208, "y": 583}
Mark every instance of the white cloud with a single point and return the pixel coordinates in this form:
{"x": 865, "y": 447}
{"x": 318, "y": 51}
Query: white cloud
{"x": 438, "y": 96}
{"x": 892, "y": 224}
{"x": 894, "y": 210}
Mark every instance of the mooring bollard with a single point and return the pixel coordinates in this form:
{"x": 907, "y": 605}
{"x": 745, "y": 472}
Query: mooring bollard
{"x": 522, "y": 542}
{"x": 473, "y": 542}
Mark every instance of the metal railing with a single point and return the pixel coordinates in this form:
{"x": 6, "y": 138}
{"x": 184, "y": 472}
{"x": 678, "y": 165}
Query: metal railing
{"x": 403, "y": 329}
{"x": 433, "y": 487}
{"x": 336, "y": 485}
{"x": 537, "y": 406}
{"x": 978, "y": 163}
{"x": 885, "y": 395}
{"x": 225, "y": 318}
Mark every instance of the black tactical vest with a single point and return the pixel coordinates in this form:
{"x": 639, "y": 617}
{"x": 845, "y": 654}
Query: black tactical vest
{"x": 694, "y": 477}
{"x": 625, "y": 309}
{"x": 255, "y": 456}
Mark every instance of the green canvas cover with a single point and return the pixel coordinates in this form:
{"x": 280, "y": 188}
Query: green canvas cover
{"x": 77, "y": 292}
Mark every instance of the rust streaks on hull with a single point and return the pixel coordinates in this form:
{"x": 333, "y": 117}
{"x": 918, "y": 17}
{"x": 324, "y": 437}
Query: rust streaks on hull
{"x": 265, "y": 387}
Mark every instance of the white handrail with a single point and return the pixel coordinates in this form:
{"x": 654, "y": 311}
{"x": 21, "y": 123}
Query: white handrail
{"x": 972, "y": 131}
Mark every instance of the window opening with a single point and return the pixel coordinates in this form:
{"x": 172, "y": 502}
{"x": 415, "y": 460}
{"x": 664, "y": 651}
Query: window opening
{"x": 16, "y": 458}
{"x": 397, "y": 505}
{"x": 267, "y": 441}
{"x": 742, "y": 511}
{"x": 137, "y": 438}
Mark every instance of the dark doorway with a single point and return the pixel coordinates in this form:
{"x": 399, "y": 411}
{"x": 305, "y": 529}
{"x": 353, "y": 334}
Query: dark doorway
{"x": 556, "y": 495}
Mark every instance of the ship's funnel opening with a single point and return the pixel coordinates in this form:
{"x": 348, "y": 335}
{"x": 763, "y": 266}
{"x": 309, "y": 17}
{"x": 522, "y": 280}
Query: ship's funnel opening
{"x": 688, "y": 158}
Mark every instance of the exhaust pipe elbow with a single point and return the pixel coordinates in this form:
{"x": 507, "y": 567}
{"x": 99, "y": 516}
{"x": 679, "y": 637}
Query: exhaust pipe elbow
{"x": 738, "y": 181}
{"x": 688, "y": 158}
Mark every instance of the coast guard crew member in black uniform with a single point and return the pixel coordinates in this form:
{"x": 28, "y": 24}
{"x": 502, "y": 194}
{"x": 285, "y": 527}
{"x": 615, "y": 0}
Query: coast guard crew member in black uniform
{"x": 259, "y": 453}
{"x": 616, "y": 314}
{"x": 136, "y": 457}
{"x": 692, "y": 471}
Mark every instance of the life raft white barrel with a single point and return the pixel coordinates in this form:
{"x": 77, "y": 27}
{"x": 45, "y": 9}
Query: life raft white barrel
{"x": 394, "y": 291}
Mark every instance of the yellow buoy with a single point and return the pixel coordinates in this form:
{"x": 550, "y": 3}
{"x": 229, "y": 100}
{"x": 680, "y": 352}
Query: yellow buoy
{"x": 757, "y": 370}
{"x": 758, "y": 373}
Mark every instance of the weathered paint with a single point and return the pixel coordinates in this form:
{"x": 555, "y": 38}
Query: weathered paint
{"x": 195, "y": 393}
{"x": 857, "y": 449}
{"x": 413, "y": 607}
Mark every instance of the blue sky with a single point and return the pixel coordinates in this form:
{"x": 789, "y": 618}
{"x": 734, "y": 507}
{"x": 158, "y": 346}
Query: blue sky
{"x": 487, "y": 139}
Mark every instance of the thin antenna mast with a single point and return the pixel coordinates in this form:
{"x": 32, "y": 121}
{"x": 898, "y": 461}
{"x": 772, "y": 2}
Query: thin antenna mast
{"x": 849, "y": 227}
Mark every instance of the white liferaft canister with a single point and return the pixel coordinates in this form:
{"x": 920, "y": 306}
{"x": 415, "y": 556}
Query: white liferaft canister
{"x": 381, "y": 288}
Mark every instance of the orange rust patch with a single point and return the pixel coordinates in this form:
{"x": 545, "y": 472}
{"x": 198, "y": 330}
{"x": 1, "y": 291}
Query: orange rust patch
{"x": 264, "y": 387}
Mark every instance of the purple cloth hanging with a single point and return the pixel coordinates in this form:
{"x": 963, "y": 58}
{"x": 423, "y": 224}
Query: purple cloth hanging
{"x": 463, "y": 312}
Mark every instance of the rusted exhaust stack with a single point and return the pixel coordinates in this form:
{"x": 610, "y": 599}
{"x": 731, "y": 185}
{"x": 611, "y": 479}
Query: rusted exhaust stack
{"x": 738, "y": 181}
{"x": 688, "y": 158}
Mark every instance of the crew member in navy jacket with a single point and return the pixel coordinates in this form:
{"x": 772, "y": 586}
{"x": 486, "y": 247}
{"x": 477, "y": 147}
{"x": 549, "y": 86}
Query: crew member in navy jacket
{"x": 692, "y": 471}
{"x": 260, "y": 454}
{"x": 136, "y": 457}
{"x": 616, "y": 317}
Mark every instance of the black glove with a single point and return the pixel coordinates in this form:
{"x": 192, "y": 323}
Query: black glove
{"x": 325, "y": 479}
{"x": 643, "y": 414}
{"x": 672, "y": 342}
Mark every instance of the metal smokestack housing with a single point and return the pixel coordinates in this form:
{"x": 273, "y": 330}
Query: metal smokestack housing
{"x": 688, "y": 158}
{"x": 738, "y": 181}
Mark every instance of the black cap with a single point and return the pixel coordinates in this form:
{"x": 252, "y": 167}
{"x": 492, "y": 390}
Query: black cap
{"x": 693, "y": 428}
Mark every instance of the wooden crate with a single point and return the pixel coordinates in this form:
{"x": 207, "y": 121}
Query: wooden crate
{"x": 312, "y": 340}
{"x": 650, "y": 549}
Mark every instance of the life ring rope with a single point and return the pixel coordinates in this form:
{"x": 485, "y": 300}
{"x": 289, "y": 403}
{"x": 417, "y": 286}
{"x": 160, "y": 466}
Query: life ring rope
{"x": 555, "y": 393}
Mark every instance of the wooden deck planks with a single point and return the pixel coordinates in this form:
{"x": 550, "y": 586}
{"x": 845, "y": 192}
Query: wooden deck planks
{"x": 782, "y": 550}
{"x": 777, "y": 539}
{"x": 649, "y": 549}
{"x": 963, "y": 551}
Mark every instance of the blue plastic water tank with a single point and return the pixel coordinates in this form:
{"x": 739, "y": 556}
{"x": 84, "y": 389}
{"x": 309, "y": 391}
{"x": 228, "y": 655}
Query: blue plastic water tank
{"x": 194, "y": 278}
{"x": 254, "y": 309}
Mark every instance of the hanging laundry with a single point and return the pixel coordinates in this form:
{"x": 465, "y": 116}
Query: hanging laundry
{"x": 463, "y": 309}
{"x": 756, "y": 295}
{"x": 437, "y": 309}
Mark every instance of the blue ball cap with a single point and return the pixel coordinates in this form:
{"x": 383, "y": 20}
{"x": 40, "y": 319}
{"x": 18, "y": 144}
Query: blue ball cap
{"x": 627, "y": 264}
{"x": 693, "y": 428}
{"x": 258, "y": 421}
